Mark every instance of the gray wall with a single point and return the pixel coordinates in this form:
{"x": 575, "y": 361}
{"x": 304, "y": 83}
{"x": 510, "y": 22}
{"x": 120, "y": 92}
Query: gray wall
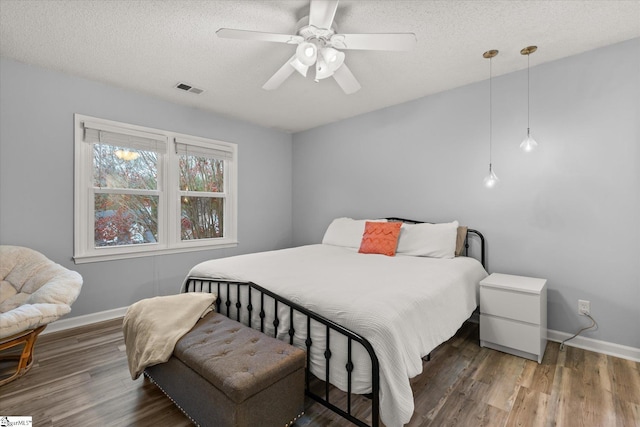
{"x": 36, "y": 178}
{"x": 569, "y": 212}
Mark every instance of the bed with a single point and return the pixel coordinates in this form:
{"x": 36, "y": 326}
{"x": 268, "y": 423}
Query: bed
{"x": 366, "y": 320}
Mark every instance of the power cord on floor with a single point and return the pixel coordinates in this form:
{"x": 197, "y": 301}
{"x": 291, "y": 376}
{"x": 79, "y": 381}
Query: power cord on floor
{"x": 593, "y": 325}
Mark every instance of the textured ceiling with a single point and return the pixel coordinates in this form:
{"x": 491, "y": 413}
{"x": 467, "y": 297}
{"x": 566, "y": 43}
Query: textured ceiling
{"x": 151, "y": 45}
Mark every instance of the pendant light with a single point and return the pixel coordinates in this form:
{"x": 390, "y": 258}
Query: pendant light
{"x": 528, "y": 144}
{"x": 491, "y": 179}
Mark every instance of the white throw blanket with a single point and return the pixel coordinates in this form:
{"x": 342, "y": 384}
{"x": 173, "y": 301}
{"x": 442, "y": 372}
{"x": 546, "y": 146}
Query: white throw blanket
{"x": 153, "y": 326}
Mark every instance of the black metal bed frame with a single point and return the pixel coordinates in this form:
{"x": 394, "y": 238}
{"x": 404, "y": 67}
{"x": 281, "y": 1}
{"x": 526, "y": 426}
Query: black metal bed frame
{"x": 255, "y": 300}
{"x": 466, "y": 239}
{"x": 255, "y": 297}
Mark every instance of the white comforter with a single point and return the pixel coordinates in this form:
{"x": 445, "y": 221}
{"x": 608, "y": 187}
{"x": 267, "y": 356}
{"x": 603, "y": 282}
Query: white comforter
{"x": 404, "y": 305}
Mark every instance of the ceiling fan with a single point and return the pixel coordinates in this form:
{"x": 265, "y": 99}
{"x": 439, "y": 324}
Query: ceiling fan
{"x": 320, "y": 45}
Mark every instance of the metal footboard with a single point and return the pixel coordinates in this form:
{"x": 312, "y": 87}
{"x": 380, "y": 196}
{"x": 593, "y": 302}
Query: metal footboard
{"x": 247, "y": 303}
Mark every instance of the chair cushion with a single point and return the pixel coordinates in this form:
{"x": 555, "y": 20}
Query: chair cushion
{"x": 7, "y": 290}
{"x": 42, "y": 291}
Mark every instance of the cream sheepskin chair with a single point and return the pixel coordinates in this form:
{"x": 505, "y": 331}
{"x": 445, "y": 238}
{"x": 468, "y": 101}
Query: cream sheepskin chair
{"x": 34, "y": 291}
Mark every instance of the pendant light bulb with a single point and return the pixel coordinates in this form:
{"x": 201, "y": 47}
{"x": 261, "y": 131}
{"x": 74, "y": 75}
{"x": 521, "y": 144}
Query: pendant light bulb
{"x": 528, "y": 144}
{"x": 491, "y": 180}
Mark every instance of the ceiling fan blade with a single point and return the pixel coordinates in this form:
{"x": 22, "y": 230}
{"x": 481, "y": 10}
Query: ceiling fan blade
{"x": 391, "y": 41}
{"x": 346, "y": 80}
{"x": 322, "y": 12}
{"x": 280, "y": 76}
{"x": 229, "y": 33}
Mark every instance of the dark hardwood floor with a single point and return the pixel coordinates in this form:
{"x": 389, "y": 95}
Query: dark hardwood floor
{"x": 80, "y": 378}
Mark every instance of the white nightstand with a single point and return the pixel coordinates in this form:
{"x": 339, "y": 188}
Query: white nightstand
{"x": 513, "y": 315}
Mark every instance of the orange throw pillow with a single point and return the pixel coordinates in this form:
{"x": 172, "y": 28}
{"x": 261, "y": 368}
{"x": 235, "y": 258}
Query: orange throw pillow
{"x": 380, "y": 238}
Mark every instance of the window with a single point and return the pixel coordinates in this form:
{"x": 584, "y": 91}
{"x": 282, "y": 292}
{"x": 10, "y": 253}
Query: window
{"x": 202, "y": 195}
{"x": 141, "y": 191}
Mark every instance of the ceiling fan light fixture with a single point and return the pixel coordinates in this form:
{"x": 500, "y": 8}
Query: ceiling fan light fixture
{"x": 328, "y": 62}
{"x": 307, "y": 53}
{"x": 323, "y": 70}
{"x": 299, "y": 66}
{"x": 319, "y": 45}
{"x": 333, "y": 57}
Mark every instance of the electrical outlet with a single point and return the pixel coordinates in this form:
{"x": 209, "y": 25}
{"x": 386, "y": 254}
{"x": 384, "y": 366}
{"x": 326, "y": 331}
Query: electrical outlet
{"x": 584, "y": 307}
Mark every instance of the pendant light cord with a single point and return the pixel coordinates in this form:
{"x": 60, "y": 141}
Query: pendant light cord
{"x": 490, "y": 112}
{"x": 528, "y": 94}
{"x": 491, "y": 179}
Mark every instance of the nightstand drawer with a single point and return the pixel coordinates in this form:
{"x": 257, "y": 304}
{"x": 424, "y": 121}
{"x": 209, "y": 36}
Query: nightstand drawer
{"x": 513, "y": 305}
{"x": 510, "y": 333}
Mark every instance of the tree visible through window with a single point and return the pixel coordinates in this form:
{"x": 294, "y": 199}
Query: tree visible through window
{"x": 201, "y": 182}
{"x": 123, "y": 214}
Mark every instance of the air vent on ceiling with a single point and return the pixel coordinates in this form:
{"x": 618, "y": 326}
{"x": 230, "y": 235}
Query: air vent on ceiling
{"x": 189, "y": 88}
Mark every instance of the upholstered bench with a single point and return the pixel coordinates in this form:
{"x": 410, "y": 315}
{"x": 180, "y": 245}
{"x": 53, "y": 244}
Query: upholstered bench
{"x": 223, "y": 373}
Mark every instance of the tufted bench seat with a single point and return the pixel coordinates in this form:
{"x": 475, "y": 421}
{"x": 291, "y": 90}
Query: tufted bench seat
{"x": 223, "y": 373}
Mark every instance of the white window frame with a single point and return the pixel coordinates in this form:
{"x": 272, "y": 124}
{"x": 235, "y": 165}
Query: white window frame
{"x": 169, "y": 212}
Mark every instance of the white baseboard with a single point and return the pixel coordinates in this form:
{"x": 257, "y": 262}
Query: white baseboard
{"x": 87, "y": 319}
{"x": 604, "y": 347}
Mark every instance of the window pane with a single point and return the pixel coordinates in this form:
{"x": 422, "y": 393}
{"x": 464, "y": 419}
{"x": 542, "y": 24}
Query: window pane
{"x": 202, "y": 217}
{"x": 201, "y": 174}
{"x": 119, "y": 167}
{"x": 123, "y": 219}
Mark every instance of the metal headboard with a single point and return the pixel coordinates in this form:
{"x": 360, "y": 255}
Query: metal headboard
{"x": 466, "y": 240}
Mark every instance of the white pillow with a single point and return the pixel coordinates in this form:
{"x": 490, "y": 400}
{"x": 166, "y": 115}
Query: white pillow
{"x": 430, "y": 240}
{"x": 346, "y": 232}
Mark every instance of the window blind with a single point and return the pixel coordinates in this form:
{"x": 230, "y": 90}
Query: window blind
{"x": 201, "y": 149}
{"x": 129, "y": 138}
